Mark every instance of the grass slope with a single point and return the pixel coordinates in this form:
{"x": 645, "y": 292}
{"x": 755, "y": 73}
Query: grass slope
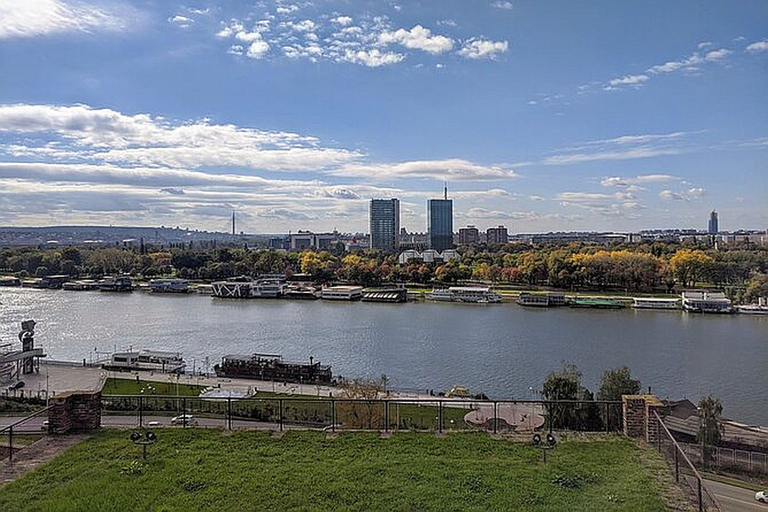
{"x": 211, "y": 470}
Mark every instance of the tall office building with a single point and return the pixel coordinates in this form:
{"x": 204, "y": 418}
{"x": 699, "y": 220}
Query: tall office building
{"x": 385, "y": 224}
{"x": 440, "y": 223}
{"x": 469, "y": 235}
{"x": 714, "y": 228}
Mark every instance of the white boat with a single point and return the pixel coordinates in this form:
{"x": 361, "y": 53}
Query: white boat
{"x": 245, "y": 288}
{"x": 116, "y": 284}
{"x": 651, "y": 303}
{"x": 706, "y": 302}
{"x": 472, "y": 294}
{"x": 153, "y": 360}
{"x": 169, "y": 285}
{"x": 761, "y": 308}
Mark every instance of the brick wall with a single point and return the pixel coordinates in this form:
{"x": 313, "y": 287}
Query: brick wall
{"x": 74, "y": 411}
{"x": 639, "y": 420}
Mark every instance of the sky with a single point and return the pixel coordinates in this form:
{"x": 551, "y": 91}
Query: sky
{"x": 538, "y": 115}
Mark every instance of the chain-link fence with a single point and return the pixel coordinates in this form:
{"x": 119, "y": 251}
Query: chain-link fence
{"x": 728, "y": 458}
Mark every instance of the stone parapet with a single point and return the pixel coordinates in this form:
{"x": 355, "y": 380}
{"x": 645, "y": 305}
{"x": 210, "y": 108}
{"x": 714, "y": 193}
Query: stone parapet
{"x": 74, "y": 411}
{"x": 639, "y": 420}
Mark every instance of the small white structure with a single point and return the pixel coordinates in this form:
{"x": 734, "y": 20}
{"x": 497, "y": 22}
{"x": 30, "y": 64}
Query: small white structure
{"x": 342, "y": 293}
{"x": 652, "y": 303}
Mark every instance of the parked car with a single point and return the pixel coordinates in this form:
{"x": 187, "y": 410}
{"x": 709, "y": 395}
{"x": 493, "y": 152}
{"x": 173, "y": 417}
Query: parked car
{"x": 762, "y": 496}
{"x": 183, "y": 419}
{"x": 46, "y": 424}
{"x": 154, "y": 424}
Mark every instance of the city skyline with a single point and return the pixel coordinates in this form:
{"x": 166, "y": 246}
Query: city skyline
{"x": 540, "y": 117}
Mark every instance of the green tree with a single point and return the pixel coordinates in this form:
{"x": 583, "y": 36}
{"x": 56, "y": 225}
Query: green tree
{"x": 689, "y": 266}
{"x": 562, "y": 384}
{"x": 617, "y": 382}
{"x": 710, "y": 427}
{"x": 757, "y": 287}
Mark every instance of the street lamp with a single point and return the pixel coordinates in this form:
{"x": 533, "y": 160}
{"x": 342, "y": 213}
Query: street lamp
{"x": 143, "y": 440}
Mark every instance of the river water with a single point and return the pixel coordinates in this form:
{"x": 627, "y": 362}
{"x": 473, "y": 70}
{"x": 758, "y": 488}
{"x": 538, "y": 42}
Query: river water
{"x": 503, "y": 350}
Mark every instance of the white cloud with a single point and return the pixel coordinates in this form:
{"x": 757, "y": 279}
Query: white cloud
{"x": 616, "y": 181}
{"x": 372, "y": 58}
{"x": 704, "y": 44}
{"x": 758, "y": 47}
{"x": 257, "y": 49}
{"x": 717, "y": 55}
{"x": 181, "y": 21}
{"x": 668, "y": 195}
{"x": 33, "y": 18}
{"x": 451, "y": 169}
{"x": 287, "y": 9}
{"x": 689, "y": 63}
{"x": 688, "y": 195}
{"x": 447, "y": 23}
{"x": 626, "y": 147}
{"x": 536, "y": 199}
{"x": 235, "y": 49}
{"x": 635, "y": 80}
{"x": 503, "y": 5}
{"x": 342, "y": 20}
{"x": 418, "y": 38}
{"x": 483, "y": 49}
{"x": 696, "y": 192}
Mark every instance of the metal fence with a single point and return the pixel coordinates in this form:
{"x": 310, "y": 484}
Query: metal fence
{"x": 685, "y": 471}
{"x": 439, "y": 414}
{"x": 728, "y": 458}
{"x": 23, "y": 431}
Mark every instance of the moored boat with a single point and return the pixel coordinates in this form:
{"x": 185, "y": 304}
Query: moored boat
{"x": 169, "y": 285}
{"x": 469, "y": 294}
{"x": 151, "y": 360}
{"x": 116, "y": 284}
{"x": 706, "y": 302}
{"x": 654, "y": 303}
{"x": 595, "y": 303}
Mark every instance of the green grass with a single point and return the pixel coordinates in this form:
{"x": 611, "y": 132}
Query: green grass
{"x": 212, "y": 470}
{"x": 131, "y": 387}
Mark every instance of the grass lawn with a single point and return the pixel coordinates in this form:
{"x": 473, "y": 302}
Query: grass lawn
{"x": 214, "y": 470}
{"x": 131, "y": 387}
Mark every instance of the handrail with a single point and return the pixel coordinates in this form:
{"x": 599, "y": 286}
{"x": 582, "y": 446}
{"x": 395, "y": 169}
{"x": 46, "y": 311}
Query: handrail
{"x": 304, "y": 398}
{"x": 26, "y": 418}
{"x": 690, "y": 464}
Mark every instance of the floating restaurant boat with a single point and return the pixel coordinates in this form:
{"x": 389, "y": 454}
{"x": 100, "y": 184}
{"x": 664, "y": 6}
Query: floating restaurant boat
{"x": 272, "y": 367}
{"x": 10, "y": 281}
{"x": 761, "y": 308}
{"x": 385, "y": 295}
{"x": 541, "y": 300}
{"x": 301, "y": 292}
{"x": 116, "y": 284}
{"x": 706, "y": 302}
{"x": 341, "y": 293}
{"x": 652, "y": 303}
{"x": 169, "y": 285}
{"x": 470, "y": 294}
{"x": 81, "y": 285}
{"x": 151, "y": 360}
{"x": 595, "y": 303}
{"x": 245, "y": 288}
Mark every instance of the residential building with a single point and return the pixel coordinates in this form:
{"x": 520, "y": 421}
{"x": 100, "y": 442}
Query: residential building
{"x": 304, "y": 240}
{"x": 385, "y": 224}
{"x": 469, "y": 235}
{"x": 497, "y": 235}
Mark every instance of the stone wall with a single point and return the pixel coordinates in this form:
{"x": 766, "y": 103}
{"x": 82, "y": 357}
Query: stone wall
{"x": 639, "y": 420}
{"x": 74, "y": 411}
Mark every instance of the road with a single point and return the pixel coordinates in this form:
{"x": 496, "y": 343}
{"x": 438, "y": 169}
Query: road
{"x": 736, "y": 499}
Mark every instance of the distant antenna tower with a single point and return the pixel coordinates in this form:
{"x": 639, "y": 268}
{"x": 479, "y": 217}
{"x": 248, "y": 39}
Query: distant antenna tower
{"x": 445, "y": 191}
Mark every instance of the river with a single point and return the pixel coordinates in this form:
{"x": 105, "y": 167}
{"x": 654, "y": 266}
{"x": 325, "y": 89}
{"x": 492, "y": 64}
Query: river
{"x": 503, "y": 350}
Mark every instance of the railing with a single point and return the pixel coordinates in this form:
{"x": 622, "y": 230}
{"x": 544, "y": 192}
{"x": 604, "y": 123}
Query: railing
{"x": 438, "y": 414}
{"x": 729, "y": 458}
{"x": 666, "y": 444}
{"x": 30, "y": 425}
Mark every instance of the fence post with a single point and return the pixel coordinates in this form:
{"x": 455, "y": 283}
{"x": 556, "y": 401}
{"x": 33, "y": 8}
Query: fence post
{"x": 281, "y": 414}
{"x": 386, "y": 415}
{"x": 229, "y": 413}
{"x": 701, "y": 503}
{"x": 607, "y": 417}
{"x": 141, "y": 411}
{"x": 677, "y": 467}
{"x": 333, "y": 415}
{"x": 440, "y": 416}
{"x": 495, "y": 415}
{"x": 10, "y": 444}
{"x": 184, "y": 412}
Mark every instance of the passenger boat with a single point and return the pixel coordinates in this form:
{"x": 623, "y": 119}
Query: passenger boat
{"x": 471, "y": 294}
{"x": 245, "y": 288}
{"x": 300, "y": 292}
{"x": 116, "y": 284}
{"x": 169, "y": 285}
{"x": 541, "y": 300}
{"x": 706, "y": 302}
{"x": 81, "y": 285}
{"x": 595, "y": 303}
{"x": 652, "y": 303}
{"x": 273, "y": 367}
{"x": 761, "y": 308}
{"x": 10, "y": 281}
{"x": 385, "y": 295}
{"x": 152, "y": 360}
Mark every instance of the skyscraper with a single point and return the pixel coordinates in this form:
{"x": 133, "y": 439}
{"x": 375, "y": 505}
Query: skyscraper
{"x": 385, "y": 224}
{"x": 440, "y": 223}
{"x": 714, "y": 228}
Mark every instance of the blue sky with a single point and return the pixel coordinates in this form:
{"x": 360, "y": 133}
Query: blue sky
{"x": 541, "y": 116}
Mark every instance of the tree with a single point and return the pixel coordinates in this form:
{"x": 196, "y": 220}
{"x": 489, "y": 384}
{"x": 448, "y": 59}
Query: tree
{"x": 689, "y": 266}
{"x": 617, "y": 382}
{"x": 710, "y": 427}
{"x": 368, "y": 414}
{"x": 757, "y": 287}
{"x": 562, "y": 384}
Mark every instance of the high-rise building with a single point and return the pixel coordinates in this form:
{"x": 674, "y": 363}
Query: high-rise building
{"x": 440, "y": 223}
{"x": 714, "y": 228}
{"x": 385, "y": 224}
{"x": 497, "y": 235}
{"x": 469, "y": 235}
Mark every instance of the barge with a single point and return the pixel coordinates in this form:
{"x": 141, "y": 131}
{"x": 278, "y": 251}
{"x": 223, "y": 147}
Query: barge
{"x": 116, "y": 284}
{"x": 652, "y": 303}
{"x": 385, "y": 295}
{"x": 541, "y": 300}
{"x": 470, "y": 294}
{"x": 595, "y": 303}
{"x": 169, "y": 285}
{"x": 273, "y": 367}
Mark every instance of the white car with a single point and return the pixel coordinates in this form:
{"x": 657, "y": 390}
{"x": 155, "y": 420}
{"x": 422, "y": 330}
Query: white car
{"x": 184, "y": 419}
{"x": 154, "y": 424}
{"x": 762, "y": 496}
